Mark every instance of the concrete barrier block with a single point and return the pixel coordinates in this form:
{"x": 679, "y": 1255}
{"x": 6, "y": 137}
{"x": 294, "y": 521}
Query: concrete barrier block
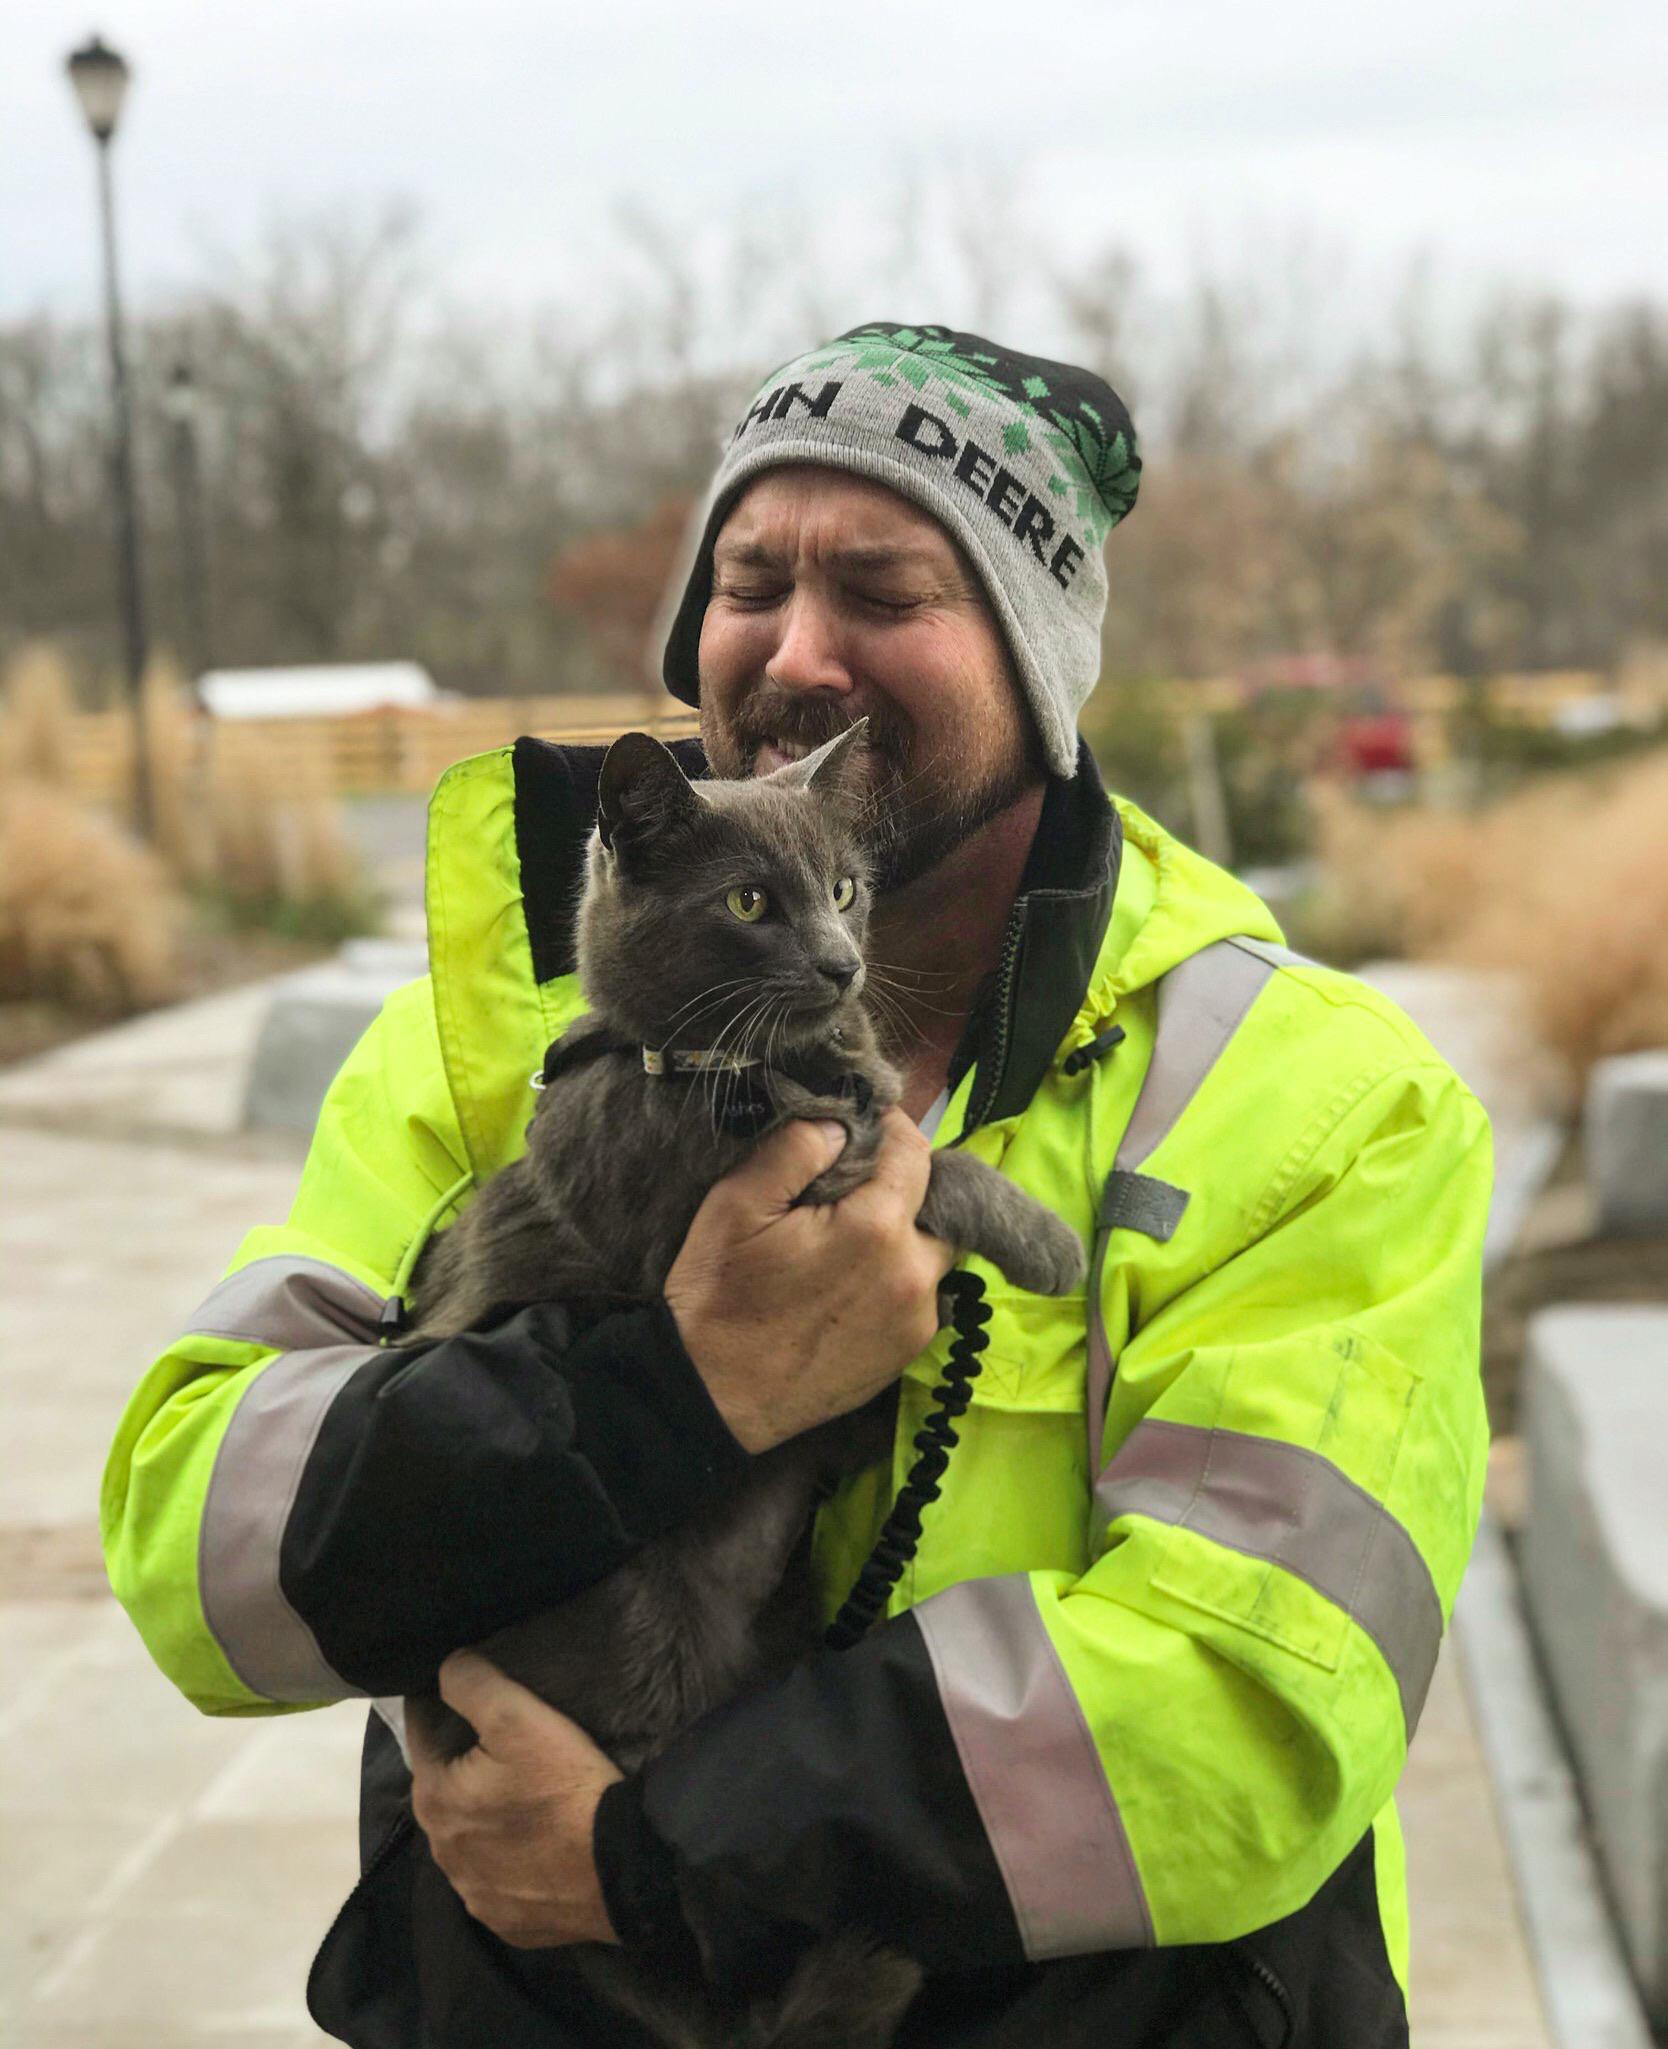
{"x": 314, "y": 1021}
{"x": 1595, "y": 1581}
{"x": 1625, "y": 1129}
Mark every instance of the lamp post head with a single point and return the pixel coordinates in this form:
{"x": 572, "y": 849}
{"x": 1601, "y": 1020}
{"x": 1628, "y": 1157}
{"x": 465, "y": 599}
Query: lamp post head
{"x": 99, "y": 75}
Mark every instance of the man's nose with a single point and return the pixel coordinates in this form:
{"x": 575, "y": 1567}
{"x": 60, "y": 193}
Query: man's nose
{"x": 809, "y": 656}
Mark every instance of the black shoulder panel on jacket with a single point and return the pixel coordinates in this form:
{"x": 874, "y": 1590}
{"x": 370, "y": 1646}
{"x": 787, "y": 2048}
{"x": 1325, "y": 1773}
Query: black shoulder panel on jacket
{"x": 555, "y": 810}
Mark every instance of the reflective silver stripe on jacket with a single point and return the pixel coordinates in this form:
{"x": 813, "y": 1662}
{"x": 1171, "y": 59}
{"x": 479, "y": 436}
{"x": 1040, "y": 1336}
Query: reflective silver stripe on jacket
{"x": 1201, "y": 1003}
{"x": 1034, "y": 1771}
{"x": 289, "y": 1303}
{"x": 320, "y": 1319}
{"x": 1279, "y": 1502}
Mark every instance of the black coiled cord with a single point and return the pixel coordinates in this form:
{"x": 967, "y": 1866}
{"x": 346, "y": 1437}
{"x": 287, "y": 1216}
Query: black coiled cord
{"x": 934, "y": 1441}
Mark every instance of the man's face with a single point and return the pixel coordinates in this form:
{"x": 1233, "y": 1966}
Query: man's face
{"x": 834, "y": 599}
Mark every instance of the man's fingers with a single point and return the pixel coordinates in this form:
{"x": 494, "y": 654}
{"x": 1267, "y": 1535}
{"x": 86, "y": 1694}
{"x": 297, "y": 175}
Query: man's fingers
{"x": 902, "y": 1169}
{"x": 492, "y": 1703}
{"x": 777, "y": 1172}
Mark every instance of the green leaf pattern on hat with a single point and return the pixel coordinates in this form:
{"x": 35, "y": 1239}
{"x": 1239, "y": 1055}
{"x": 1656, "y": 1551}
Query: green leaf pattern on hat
{"x": 1102, "y": 471}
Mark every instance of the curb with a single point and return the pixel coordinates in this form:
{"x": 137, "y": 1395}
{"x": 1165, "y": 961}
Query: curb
{"x": 1586, "y": 1990}
{"x": 1587, "y": 1993}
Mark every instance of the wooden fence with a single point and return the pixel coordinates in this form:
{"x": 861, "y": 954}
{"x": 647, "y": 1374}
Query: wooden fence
{"x": 374, "y": 751}
{"x": 399, "y": 750}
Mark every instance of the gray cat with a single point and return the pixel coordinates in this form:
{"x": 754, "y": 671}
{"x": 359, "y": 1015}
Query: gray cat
{"x": 718, "y": 918}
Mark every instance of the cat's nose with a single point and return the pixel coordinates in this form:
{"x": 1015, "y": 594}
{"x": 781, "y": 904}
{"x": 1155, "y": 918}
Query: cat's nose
{"x": 841, "y": 973}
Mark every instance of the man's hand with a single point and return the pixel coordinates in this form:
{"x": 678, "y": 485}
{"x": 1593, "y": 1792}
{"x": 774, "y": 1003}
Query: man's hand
{"x": 796, "y": 1315}
{"x": 510, "y": 1821}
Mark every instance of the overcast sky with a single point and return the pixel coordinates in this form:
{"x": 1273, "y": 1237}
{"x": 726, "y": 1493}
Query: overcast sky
{"x": 1516, "y": 140}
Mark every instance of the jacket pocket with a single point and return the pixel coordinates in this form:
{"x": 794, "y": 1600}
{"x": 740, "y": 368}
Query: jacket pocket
{"x": 1036, "y": 1359}
{"x": 1282, "y": 1504}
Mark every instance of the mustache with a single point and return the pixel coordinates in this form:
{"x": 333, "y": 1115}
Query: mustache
{"x": 774, "y": 714}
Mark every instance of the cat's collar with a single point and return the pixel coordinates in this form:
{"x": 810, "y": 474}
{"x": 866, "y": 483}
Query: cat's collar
{"x": 675, "y": 1061}
{"x": 579, "y": 1050}
{"x": 745, "y": 1111}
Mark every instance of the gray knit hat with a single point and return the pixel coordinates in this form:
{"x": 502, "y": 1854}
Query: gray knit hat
{"x": 1027, "y": 464}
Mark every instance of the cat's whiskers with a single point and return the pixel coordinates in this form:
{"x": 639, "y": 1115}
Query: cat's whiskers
{"x": 896, "y": 1026}
{"x": 702, "y": 1000}
{"x": 745, "y": 1040}
{"x": 896, "y": 971}
{"x": 904, "y": 999}
{"x": 719, "y": 1076}
{"x": 764, "y": 1022}
{"x": 778, "y": 1025}
{"x": 706, "y": 1084}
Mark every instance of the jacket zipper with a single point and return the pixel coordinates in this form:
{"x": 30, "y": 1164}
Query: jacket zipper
{"x": 1004, "y": 1004}
{"x": 1271, "y": 1983}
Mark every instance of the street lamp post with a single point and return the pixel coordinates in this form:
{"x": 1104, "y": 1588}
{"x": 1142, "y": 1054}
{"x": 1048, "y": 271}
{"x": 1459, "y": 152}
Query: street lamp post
{"x": 181, "y": 402}
{"x": 100, "y": 78}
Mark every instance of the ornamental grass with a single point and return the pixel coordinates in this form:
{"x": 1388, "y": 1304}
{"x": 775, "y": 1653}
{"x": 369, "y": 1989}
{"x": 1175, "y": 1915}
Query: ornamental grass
{"x": 1564, "y": 886}
{"x": 91, "y": 919}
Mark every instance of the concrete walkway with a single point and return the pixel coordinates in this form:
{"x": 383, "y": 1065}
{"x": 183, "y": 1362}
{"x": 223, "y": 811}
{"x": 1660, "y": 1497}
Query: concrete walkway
{"x": 167, "y": 1878}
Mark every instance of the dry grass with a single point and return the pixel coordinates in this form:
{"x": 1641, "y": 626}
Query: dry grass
{"x": 262, "y": 849}
{"x": 91, "y": 919}
{"x": 87, "y": 916}
{"x": 37, "y": 718}
{"x": 1565, "y": 886}
{"x": 280, "y": 854}
{"x": 180, "y": 827}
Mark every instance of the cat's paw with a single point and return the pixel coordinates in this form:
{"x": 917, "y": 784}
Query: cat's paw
{"x": 1048, "y": 1260}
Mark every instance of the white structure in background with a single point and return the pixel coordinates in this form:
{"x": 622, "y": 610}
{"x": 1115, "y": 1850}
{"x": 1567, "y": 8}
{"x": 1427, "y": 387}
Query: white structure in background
{"x": 322, "y": 690}
{"x": 1585, "y": 718}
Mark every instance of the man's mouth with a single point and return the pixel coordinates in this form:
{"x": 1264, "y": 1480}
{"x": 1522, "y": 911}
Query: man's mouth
{"x": 776, "y": 753}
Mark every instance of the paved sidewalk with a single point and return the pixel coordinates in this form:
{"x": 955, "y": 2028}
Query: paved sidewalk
{"x": 1473, "y": 1983}
{"x": 167, "y": 1878}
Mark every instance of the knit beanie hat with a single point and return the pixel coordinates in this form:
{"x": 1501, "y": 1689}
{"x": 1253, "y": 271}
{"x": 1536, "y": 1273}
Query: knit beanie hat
{"x": 1027, "y": 464}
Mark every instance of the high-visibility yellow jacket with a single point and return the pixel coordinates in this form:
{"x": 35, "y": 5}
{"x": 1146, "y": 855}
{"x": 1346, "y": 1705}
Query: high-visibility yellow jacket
{"x": 1149, "y": 1680}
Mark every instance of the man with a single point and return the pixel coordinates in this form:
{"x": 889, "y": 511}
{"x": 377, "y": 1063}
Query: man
{"x": 1119, "y": 1764}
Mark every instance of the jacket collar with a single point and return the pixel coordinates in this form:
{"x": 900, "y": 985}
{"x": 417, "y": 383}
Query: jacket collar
{"x": 555, "y": 811}
{"x": 1055, "y": 929}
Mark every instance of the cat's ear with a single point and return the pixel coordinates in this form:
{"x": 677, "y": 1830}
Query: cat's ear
{"x": 835, "y": 769}
{"x": 641, "y": 793}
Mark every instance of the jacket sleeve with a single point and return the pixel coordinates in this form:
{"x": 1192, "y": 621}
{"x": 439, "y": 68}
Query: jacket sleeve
{"x": 293, "y": 1512}
{"x": 1182, "y": 1743}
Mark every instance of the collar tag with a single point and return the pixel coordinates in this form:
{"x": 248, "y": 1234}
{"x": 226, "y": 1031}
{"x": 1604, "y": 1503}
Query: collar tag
{"x": 675, "y": 1062}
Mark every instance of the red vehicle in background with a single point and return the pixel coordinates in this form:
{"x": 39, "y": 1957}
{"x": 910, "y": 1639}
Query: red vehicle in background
{"x": 1364, "y": 735}
{"x": 1374, "y": 739}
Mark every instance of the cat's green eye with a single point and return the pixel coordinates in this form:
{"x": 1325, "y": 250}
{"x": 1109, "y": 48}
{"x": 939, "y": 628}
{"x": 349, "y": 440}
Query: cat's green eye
{"x": 749, "y": 905}
{"x": 845, "y": 893}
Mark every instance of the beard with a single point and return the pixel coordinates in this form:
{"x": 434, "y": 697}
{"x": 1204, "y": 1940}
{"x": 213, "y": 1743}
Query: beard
{"x": 916, "y": 813}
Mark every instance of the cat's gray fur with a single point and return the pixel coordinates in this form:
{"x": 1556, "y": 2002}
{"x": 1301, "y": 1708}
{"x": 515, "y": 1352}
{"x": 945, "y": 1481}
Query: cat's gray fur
{"x": 617, "y": 1163}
